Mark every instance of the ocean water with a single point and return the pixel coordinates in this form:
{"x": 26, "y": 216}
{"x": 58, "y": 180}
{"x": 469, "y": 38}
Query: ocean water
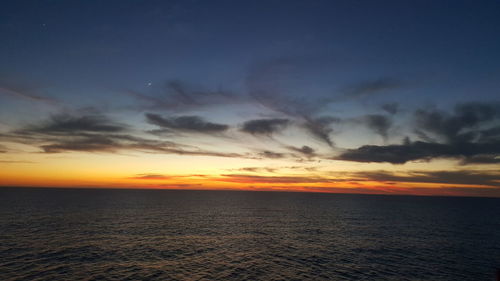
{"x": 51, "y": 234}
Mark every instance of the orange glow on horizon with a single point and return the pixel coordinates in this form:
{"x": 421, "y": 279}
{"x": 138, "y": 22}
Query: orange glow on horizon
{"x": 249, "y": 183}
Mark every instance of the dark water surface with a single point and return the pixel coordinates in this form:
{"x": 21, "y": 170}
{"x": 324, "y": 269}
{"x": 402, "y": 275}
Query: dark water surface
{"x": 49, "y": 234}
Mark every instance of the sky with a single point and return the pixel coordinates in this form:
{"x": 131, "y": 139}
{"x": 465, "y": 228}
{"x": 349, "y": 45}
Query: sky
{"x": 383, "y": 97}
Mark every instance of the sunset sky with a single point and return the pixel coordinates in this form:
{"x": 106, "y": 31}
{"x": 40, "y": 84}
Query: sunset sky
{"x": 321, "y": 96}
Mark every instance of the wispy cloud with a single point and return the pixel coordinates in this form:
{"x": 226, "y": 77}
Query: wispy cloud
{"x": 68, "y": 124}
{"x": 321, "y": 128}
{"x": 380, "y": 124}
{"x": 67, "y": 133}
{"x": 194, "y": 124}
{"x": 176, "y": 95}
{"x": 391, "y": 108}
{"x": 367, "y": 88}
{"x": 20, "y": 91}
{"x": 462, "y": 177}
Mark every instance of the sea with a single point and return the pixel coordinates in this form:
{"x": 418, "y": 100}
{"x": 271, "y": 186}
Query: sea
{"x": 106, "y": 234}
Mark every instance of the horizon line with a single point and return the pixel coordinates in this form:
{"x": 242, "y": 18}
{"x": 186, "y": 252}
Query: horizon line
{"x": 243, "y": 190}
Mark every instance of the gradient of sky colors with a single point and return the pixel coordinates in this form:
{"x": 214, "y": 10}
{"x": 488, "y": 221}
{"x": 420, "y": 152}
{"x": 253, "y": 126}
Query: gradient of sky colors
{"x": 396, "y": 97}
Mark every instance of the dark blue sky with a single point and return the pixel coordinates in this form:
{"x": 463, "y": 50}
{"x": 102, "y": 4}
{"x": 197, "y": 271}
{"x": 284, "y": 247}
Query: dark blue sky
{"x": 438, "y": 48}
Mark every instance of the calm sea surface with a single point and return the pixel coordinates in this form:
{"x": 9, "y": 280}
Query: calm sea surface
{"x": 50, "y": 234}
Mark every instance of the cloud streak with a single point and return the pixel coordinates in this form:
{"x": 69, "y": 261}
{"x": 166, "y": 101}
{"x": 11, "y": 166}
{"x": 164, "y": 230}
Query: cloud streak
{"x": 66, "y": 133}
{"x": 380, "y": 124}
{"x": 304, "y": 150}
{"x": 26, "y": 96}
{"x": 179, "y": 96}
{"x": 462, "y": 177}
{"x": 367, "y": 88}
{"x": 193, "y": 124}
{"x": 264, "y": 127}
{"x": 411, "y": 151}
{"x": 68, "y": 124}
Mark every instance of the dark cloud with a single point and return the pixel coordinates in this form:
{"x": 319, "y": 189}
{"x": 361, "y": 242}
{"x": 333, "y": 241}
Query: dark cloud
{"x": 64, "y": 133}
{"x": 463, "y": 124}
{"x": 380, "y": 124}
{"x": 305, "y": 150}
{"x": 320, "y": 128}
{"x": 271, "y": 154}
{"x": 466, "y": 177}
{"x": 391, "y": 108}
{"x": 371, "y": 87}
{"x": 68, "y": 124}
{"x": 411, "y": 151}
{"x": 88, "y": 144}
{"x": 481, "y": 159}
{"x": 470, "y": 133}
{"x": 117, "y": 143}
{"x": 186, "y": 123}
{"x": 264, "y": 126}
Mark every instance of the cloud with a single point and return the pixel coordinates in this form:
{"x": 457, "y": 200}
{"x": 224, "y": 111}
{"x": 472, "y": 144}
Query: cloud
{"x": 20, "y": 92}
{"x": 257, "y": 169}
{"x": 481, "y": 159}
{"x": 271, "y": 154}
{"x": 179, "y": 96}
{"x": 271, "y": 84}
{"x": 65, "y": 133}
{"x": 240, "y": 178}
{"x": 370, "y": 87}
{"x": 380, "y": 124}
{"x": 462, "y": 177}
{"x": 265, "y": 127}
{"x": 274, "y": 83}
{"x": 151, "y": 177}
{"x": 391, "y": 108}
{"x": 304, "y": 150}
{"x": 186, "y": 123}
{"x": 462, "y": 125}
{"x": 411, "y": 151}
{"x": 88, "y": 144}
{"x": 15, "y": 162}
{"x": 68, "y": 124}
{"x": 117, "y": 143}
{"x": 320, "y": 128}
{"x": 470, "y": 133}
